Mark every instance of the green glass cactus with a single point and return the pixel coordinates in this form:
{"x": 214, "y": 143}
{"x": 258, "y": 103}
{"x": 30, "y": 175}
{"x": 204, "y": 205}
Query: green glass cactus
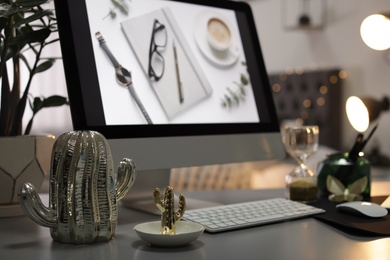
{"x": 169, "y": 217}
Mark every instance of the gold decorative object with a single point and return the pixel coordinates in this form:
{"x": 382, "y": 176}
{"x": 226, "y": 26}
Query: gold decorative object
{"x": 169, "y": 217}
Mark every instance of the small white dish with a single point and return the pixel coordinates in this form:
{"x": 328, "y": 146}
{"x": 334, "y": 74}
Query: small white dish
{"x": 186, "y": 232}
{"x": 222, "y": 59}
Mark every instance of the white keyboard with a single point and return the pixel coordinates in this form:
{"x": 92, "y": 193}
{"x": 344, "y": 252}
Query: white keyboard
{"x": 242, "y": 215}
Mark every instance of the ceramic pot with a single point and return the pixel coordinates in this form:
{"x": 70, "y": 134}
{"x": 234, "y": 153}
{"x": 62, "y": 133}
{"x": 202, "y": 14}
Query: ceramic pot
{"x": 22, "y": 159}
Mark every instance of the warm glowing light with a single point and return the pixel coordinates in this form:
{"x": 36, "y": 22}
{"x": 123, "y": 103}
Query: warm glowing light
{"x": 283, "y": 77}
{"x": 323, "y": 89}
{"x": 343, "y": 74}
{"x": 304, "y": 115}
{"x": 357, "y": 114}
{"x": 307, "y": 103}
{"x": 276, "y": 88}
{"x": 299, "y": 70}
{"x": 375, "y": 32}
{"x": 333, "y": 79}
{"x": 288, "y": 71}
{"x": 321, "y": 101}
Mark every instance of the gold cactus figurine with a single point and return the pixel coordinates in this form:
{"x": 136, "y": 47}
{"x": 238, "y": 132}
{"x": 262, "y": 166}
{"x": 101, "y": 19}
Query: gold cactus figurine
{"x": 169, "y": 217}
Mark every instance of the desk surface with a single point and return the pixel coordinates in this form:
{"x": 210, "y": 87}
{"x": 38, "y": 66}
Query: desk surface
{"x": 20, "y": 238}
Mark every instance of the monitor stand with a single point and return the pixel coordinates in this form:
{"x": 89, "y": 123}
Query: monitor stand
{"x": 140, "y": 196}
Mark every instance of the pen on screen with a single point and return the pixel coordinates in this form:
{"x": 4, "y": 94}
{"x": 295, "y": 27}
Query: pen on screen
{"x": 181, "y": 99}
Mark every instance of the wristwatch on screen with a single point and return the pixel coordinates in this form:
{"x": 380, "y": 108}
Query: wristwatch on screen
{"x": 123, "y": 76}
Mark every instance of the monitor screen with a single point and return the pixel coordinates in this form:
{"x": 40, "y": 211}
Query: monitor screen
{"x": 169, "y": 83}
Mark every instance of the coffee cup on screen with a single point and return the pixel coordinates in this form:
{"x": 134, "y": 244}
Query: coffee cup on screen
{"x": 218, "y": 34}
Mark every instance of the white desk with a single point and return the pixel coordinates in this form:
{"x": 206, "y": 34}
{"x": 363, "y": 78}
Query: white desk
{"x": 20, "y": 238}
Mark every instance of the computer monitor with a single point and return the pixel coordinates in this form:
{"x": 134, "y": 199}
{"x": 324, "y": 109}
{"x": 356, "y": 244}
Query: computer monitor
{"x": 169, "y": 83}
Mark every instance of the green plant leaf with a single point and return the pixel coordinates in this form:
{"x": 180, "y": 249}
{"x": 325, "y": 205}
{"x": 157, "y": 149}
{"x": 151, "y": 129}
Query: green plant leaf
{"x": 4, "y": 9}
{"x": 30, "y": 3}
{"x": 30, "y": 37}
{"x": 11, "y": 52}
{"x": 24, "y": 59}
{"x": 112, "y": 14}
{"x": 3, "y": 23}
{"x": 36, "y": 105}
{"x": 24, "y": 29}
{"x": 44, "y": 66}
{"x": 238, "y": 94}
{"x": 15, "y": 11}
{"x": 34, "y": 17}
{"x": 121, "y": 6}
{"x": 244, "y": 79}
{"x": 233, "y": 95}
{"x": 52, "y": 101}
{"x": 55, "y": 101}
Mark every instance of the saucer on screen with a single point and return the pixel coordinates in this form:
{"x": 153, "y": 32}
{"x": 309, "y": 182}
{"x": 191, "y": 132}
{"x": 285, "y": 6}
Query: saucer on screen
{"x": 186, "y": 232}
{"x": 222, "y": 59}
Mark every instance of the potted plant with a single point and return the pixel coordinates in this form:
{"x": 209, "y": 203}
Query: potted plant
{"x": 26, "y": 28}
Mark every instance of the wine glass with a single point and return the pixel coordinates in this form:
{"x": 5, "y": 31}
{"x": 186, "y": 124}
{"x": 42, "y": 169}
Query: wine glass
{"x": 301, "y": 142}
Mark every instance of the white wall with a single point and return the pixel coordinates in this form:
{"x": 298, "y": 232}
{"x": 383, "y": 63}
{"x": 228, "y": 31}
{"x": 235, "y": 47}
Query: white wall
{"x": 338, "y": 44}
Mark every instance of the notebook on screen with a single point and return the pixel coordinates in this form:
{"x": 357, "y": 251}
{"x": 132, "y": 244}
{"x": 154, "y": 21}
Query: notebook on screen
{"x": 185, "y": 83}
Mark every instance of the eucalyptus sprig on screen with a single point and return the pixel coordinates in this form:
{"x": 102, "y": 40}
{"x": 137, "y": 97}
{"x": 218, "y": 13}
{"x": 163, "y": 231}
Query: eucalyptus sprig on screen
{"x": 120, "y": 5}
{"x": 25, "y": 30}
{"x": 238, "y": 94}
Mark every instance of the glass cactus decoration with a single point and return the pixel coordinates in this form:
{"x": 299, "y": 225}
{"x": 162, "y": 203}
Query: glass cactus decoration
{"x": 169, "y": 217}
{"x": 84, "y": 190}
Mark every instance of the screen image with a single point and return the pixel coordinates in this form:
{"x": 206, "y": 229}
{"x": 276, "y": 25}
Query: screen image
{"x": 187, "y": 64}
{"x": 170, "y": 84}
{"x": 183, "y": 63}
{"x": 164, "y": 68}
